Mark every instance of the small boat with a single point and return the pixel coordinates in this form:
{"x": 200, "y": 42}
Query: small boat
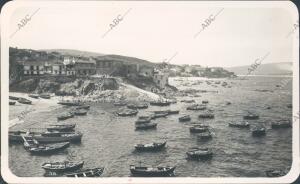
{"x": 251, "y": 117}
{"x": 24, "y": 101}
{"x": 259, "y": 131}
{"x": 159, "y": 115}
{"x": 150, "y": 147}
{"x": 185, "y": 118}
{"x": 206, "y": 116}
{"x": 143, "y": 119}
{"x": 205, "y": 101}
{"x": 152, "y": 171}
{"x": 46, "y": 137}
{"x": 80, "y": 112}
{"x": 204, "y": 136}
{"x": 160, "y": 103}
{"x": 127, "y": 112}
{"x": 199, "y": 128}
{"x": 48, "y": 149}
{"x": 65, "y": 116}
{"x": 239, "y": 124}
{"x": 45, "y": 96}
{"x": 145, "y": 126}
{"x": 196, "y": 107}
{"x": 281, "y": 124}
{"x": 69, "y": 103}
{"x": 86, "y": 107}
{"x": 12, "y": 102}
{"x": 137, "y": 106}
{"x": 61, "y": 128}
{"x": 120, "y": 104}
{"x": 173, "y": 112}
{"x": 275, "y": 173}
{"x": 188, "y": 101}
{"x": 13, "y": 98}
{"x": 199, "y": 153}
{"x": 62, "y": 166}
{"x": 96, "y": 172}
{"x": 36, "y": 96}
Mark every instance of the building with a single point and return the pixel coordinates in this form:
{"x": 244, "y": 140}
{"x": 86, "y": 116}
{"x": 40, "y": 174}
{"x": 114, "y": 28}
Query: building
{"x": 33, "y": 67}
{"x": 145, "y": 71}
{"x": 85, "y": 67}
{"x": 108, "y": 67}
{"x": 160, "y": 79}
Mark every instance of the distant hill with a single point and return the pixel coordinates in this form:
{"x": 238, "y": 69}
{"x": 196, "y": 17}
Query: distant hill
{"x": 125, "y": 59}
{"x": 284, "y": 68}
{"x": 74, "y": 52}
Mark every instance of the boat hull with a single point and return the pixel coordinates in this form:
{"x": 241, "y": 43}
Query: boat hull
{"x": 44, "y": 139}
{"x": 68, "y": 169}
{"x": 144, "y": 173}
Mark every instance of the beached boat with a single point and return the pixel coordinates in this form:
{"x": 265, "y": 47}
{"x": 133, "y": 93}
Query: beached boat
{"x": 95, "y": 172}
{"x": 80, "y": 112}
{"x": 160, "y": 103}
{"x": 196, "y": 107}
{"x": 275, "y": 173}
{"x": 137, "y": 106}
{"x": 152, "y": 171}
{"x": 16, "y": 136}
{"x": 159, "y": 115}
{"x": 145, "y": 126}
{"x": 239, "y": 124}
{"x": 36, "y": 96}
{"x": 281, "y": 124}
{"x": 127, "y": 112}
{"x": 48, "y": 149}
{"x": 29, "y": 142}
{"x": 206, "y": 116}
{"x": 199, "y": 128}
{"x": 258, "y": 131}
{"x": 150, "y": 147}
{"x": 199, "y": 153}
{"x": 204, "y": 136}
{"x": 62, "y": 166}
{"x": 69, "y": 103}
{"x": 86, "y": 107}
{"x": 65, "y": 116}
{"x": 184, "y": 118}
{"x": 61, "y": 128}
{"x": 13, "y": 98}
{"x": 143, "y": 119}
{"x": 45, "y": 96}
{"x": 12, "y": 102}
{"x": 24, "y": 101}
{"x": 251, "y": 117}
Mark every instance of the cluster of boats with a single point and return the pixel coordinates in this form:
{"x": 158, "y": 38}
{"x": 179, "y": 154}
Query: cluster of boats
{"x": 21, "y": 100}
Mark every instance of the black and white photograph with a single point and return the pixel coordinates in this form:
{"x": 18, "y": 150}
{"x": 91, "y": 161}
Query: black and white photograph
{"x": 170, "y": 90}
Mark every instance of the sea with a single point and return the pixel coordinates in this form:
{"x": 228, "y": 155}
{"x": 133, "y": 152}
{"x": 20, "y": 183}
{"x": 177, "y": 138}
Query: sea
{"x": 108, "y": 140}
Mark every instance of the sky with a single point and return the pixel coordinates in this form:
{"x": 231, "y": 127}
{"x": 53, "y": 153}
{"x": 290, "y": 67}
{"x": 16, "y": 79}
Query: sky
{"x": 161, "y": 31}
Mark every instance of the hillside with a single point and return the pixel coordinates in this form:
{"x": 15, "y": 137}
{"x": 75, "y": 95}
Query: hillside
{"x": 74, "y": 53}
{"x": 283, "y": 68}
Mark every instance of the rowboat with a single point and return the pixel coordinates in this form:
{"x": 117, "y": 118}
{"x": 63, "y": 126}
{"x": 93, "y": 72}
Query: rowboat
{"x": 24, "y": 101}
{"x": 96, "y": 172}
{"x": 258, "y": 131}
{"x": 281, "y": 124}
{"x": 36, "y": 96}
{"x": 80, "y": 112}
{"x": 65, "y": 116}
{"x": 160, "y": 103}
{"x": 204, "y": 136}
{"x": 69, "y": 103}
{"x": 143, "y": 119}
{"x": 199, "y": 153}
{"x": 13, "y": 98}
{"x": 185, "y": 118}
{"x": 145, "y": 126}
{"x": 196, "y": 107}
{"x": 16, "y": 136}
{"x": 251, "y": 117}
{"x": 62, "y": 166}
{"x": 206, "y": 116}
{"x": 204, "y": 101}
{"x": 120, "y": 104}
{"x": 12, "y": 102}
{"x": 159, "y": 115}
{"x": 150, "y": 146}
{"x": 152, "y": 171}
{"x": 127, "y": 112}
{"x": 61, "y": 128}
{"x": 188, "y": 101}
{"x": 239, "y": 124}
{"x": 48, "y": 149}
{"x": 45, "y": 96}
{"x": 86, "y": 107}
{"x": 199, "y": 128}
{"x": 137, "y": 106}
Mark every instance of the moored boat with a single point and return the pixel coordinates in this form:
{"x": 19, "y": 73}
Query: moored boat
{"x": 13, "y": 98}
{"x": 199, "y": 128}
{"x": 150, "y": 146}
{"x": 152, "y": 171}
{"x": 184, "y": 118}
{"x": 251, "y": 117}
{"x": 80, "y": 112}
{"x": 143, "y": 119}
{"x": 36, "y": 96}
{"x": 48, "y": 149}
{"x": 204, "y": 136}
{"x": 160, "y": 103}
{"x": 199, "y": 153}
{"x": 65, "y": 116}
{"x": 206, "y": 116}
{"x": 120, "y": 104}
{"x": 62, "y": 166}
{"x": 204, "y": 101}
{"x": 281, "y": 124}
{"x": 275, "y": 173}
{"x": 145, "y": 126}
{"x": 12, "y": 102}
{"x": 188, "y": 101}
{"x": 61, "y": 128}
{"x": 196, "y": 107}
{"x": 127, "y": 112}
{"x": 95, "y": 172}
{"x": 137, "y": 106}
{"x": 159, "y": 115}
{"x": 24, "y": 101}
{"x": 45, "y": 96}
{"x": 69, "y": 103}
{"x": 86, "y": 107}
{"x": 239, "y": 124}
{"x": 258, "y": 131}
